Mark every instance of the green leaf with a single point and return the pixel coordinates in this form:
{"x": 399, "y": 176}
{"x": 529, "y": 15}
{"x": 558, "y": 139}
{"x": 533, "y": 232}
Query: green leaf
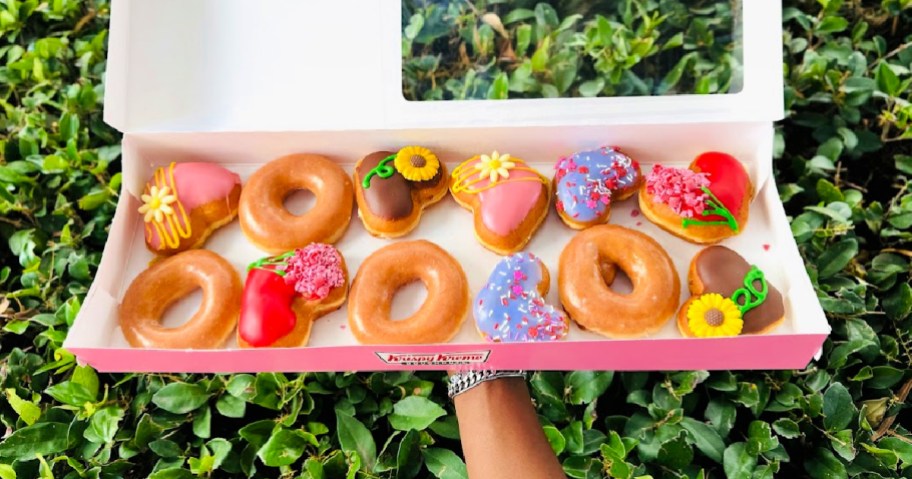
{"x": 42, "y": 438}
{"x": 844, "y": 444}
{"x": 587, "y": 386}
{"x": 518, "y": 15}
{"x": 592, "y": 87}
{"x": 408, "y": 457}
{"x": 705, "y": 438}
{"x": 284, "y": 447}
{"x": 355, "y": 437}
{"x": 898, "y": 304}
{"x": 822, "y": 464}
{"x": 786, "y": 428}
{"x": 737, "y": 462}
{"x": 230, "y": 406}
{"x": 444, "y": 463}
{"x": 28, "y": 411}
{"x": 834, "y": 259}
{"x": 416, "y": 22}
{"x": 180, "y": 398}
{"x": 499, "y": 87}
{"x": 838, "y": 408}
{"x": 555, "y": 439}
{"x": 202, "y": 421}
{"x": 831, "y": 24}
{"x": 171, "y": 473}
{"x": 903, "y": 163}
{"x": 887, "y": 81}
{"x": 165, "y": 448}
{"x": 103, "y": 425}
{"x": 69, "y": 392}
{"x": 414, "y": 412}
{"x": 7, "y": 472}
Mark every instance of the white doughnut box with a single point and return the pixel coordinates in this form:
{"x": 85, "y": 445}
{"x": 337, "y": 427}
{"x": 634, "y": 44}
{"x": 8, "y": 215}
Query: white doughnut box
{"x": 240, "y": 84}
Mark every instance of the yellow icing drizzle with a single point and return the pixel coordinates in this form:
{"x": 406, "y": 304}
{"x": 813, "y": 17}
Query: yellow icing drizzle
{"x": 466, "y": 176}
{"x": 170, "y": 238}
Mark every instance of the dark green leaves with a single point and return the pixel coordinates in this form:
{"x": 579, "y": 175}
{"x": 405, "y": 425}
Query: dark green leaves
{"x": 284, "y": 447}
{"x": 415, "y": 412}
{"x": 444, "y": 463}
{"x": 43, "y": 438}
{"x": 837, "y": 257}
{"x": 586, "y": 386}
{"x": 838, "y": 408}
{"x": 103, "y": 424}
{"x": 705, "y": 438}
{"x": 354, "y": 437}
{"x": 180, "y": 398}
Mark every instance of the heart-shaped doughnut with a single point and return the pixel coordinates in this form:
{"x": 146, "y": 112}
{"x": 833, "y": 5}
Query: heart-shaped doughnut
{"x": 392, "y": 189}
{"x": 586, "y": 183}
{"x": 704, "y": 203}
{"x": 508, "y": 198}
{"x": 285, "y": 294}
{"x": 729, "y": 297}
{"x": 511, "y": 306}
{"x": 184, "y": 203}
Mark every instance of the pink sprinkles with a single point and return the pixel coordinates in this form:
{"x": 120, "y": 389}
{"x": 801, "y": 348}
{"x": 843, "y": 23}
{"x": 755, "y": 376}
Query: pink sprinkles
{"x": 315, "y": 270}
{"x": 679, "y": 188}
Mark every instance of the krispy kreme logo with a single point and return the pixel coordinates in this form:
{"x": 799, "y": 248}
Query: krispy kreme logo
{"x": 435, "y": 359}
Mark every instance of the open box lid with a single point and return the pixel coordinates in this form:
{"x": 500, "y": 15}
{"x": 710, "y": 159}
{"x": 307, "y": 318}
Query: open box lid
{"x": 287, "y": 65}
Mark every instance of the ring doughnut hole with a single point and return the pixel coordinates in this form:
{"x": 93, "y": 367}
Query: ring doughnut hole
{"x": 180, "y": 311}
{"x": 299, "y": 201}
{"x": 615, "y": 277}
{"x": 407, "y": 300}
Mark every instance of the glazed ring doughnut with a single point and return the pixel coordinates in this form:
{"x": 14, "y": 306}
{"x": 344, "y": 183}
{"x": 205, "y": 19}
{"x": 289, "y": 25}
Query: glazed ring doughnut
{"x": 389, "y": 269}
{"x": 269, "y": 226}
{"x": 169, "y": 280}
{"x": 587, "y": 264}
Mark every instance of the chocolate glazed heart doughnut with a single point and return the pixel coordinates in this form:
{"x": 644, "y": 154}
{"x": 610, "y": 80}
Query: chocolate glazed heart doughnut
{"x": 390, "y": 268}
{"x": 266, "y": 222}
{"x": 588, "y": 261}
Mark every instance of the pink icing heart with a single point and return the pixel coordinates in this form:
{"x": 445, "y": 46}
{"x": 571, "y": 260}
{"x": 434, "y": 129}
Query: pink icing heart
{"x": 507, "y": 204}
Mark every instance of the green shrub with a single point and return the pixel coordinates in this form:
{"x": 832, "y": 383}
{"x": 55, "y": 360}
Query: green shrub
{"x": 843, "y": 167}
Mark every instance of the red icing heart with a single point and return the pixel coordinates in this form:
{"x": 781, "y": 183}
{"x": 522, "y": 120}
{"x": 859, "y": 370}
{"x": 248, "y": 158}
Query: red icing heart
{"x": 266, "y": 314}
{"x": 728, "y": 180}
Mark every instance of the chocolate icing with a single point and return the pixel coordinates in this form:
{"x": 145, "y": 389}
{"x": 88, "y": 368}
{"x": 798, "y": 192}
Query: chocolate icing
{"x": 722, "y": 271}
{"x": 431, "y": 182}
{"x": 389, "y": 198}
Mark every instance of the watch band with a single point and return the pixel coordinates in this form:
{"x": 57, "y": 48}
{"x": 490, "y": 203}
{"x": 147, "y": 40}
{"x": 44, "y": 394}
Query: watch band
{"x": 463, "y": 381}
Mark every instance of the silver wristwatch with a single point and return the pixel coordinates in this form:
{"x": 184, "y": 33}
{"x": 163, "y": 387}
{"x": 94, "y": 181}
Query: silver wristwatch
{"x": 463, "y": 381}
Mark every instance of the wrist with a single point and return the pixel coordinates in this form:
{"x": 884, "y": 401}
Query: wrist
{"x": 463, "y": 381}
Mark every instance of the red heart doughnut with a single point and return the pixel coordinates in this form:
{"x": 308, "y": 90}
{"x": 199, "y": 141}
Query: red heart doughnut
{"x": 705, "y": 203}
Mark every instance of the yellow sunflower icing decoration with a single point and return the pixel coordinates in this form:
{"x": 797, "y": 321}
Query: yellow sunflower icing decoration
{"x": 161, "y": 206}
{"x": 493, "y": 169}
{"x": 712, "y": 315}
{"x": 416, "y": 163}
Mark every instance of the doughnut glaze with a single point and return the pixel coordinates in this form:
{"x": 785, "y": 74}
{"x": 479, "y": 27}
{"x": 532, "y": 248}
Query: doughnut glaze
{"x": 389, "y": 269}
{"x": 272, "y": 228}
{"x": 588, "y": 262}
{"x": 166, "y": 281}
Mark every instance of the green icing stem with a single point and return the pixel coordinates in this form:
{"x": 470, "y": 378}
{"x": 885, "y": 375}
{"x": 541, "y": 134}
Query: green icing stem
{"x": 383, "y": 170}
{"x": 752, "y": 297}
{"x": 715, "y": 208}
{"x": 271, "y": 261}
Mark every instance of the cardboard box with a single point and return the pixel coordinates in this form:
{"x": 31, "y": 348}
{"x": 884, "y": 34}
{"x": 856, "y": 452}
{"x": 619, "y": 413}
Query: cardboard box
{"x": 240, "y": 84}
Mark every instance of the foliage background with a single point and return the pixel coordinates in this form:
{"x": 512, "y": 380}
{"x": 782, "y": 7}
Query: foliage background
{"x": 843, "y": 166}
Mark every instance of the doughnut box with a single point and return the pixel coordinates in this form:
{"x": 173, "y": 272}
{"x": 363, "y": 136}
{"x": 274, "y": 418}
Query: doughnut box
{"x": 239, "y": 85}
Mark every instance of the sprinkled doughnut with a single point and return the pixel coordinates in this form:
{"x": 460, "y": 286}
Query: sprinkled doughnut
{"x": 285, "y": 294}
{"x": 511, "y": 306}
{"x": 390, "y": 268}
{"x": 169, "y": 280}
{"x": 587, "y": 182}
{"x": 587, "y": 265}
{"x": 269, "y": 226}
{"x": 704, "y": 203}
